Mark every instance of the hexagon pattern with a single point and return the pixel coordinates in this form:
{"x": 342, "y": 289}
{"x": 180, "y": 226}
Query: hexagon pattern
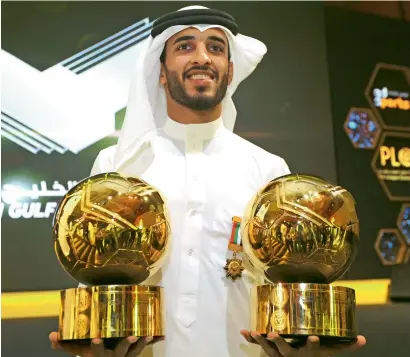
{"x": 362, "y": 128}
{"x": 391, "y": 164}
{"x": 403, "y": 222}
{"x": 388, "y": 93}
{"x": 390, "y": 247}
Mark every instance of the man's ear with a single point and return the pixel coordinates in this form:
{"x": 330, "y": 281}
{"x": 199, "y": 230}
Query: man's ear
{"x": 230, "y": 72}
{"x": 162, "y": 76}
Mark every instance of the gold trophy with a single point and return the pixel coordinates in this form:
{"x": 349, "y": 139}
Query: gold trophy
{"x": 111, "y": 232}
{"x": 303, "y": 233}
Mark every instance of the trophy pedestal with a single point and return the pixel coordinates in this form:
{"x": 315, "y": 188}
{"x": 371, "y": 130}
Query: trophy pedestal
{"x": 296, "y": 311}
{"x": 111, "y": 313}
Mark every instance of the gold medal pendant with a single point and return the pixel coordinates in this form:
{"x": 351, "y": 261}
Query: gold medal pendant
{"x": 234, "y": 267}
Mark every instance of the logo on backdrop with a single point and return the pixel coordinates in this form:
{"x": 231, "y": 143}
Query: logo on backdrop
{"x": 73, "y": 104}
{"x": 391, "y": 163}
{"x": 388, "y": 93}
{"x": 385, "y": 98}
{"x": 39, "y": 201}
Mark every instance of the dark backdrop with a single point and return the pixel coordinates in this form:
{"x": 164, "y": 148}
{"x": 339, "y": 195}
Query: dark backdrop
{"x": 356, "y": 43}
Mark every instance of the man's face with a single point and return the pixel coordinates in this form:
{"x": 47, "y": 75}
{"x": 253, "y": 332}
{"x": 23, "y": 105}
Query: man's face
{"x": 197, "y": 71}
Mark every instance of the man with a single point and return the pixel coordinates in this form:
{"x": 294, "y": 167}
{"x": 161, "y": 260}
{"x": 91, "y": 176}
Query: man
{"x": 177, "y": 136}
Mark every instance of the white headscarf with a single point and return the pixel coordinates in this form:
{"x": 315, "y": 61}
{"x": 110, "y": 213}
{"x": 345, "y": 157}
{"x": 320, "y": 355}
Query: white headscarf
{"x": 146, "y": 110}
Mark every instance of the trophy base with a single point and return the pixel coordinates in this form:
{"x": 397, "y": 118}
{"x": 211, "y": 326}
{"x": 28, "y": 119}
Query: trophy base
{"x": 297, "y": 311}
{"x": 111, "y": 313}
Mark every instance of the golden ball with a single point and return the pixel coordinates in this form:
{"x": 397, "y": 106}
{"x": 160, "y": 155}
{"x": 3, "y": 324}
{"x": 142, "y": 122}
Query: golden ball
{"x": 301, "y": 229}
{"x": 111, "y": 229}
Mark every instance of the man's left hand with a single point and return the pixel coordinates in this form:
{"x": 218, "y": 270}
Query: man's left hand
{"x": 276, "y": 346}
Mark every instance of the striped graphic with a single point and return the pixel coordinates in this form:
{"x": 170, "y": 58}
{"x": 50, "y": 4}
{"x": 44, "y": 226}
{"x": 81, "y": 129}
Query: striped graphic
{"x": 109, "y": 47}
{"x": 87, "y": 88}
{"x": 27, "y": 138}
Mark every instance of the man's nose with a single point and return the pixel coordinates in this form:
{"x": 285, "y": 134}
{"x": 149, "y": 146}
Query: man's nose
{"x": 201, "y": 56}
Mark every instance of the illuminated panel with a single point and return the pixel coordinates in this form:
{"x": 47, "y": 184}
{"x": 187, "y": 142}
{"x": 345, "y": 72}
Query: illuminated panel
{"x": 362, "y": 128}
{"x": 391, "y": 164}
{"x": 403, "y": 222}
{"x": 388, "y": 93}
{"x": 390, "y": 247}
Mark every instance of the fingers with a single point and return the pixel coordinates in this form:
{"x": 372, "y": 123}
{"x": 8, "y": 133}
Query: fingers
{"x": 137, "y": 348}
{"x": 71, "y": 348}
{"x": 247, "y": 336}
{"x": 123, "y": 346}
{"x": 127, "y": 347}
{"x": 264, "y": 343}
{"x": 284, "y": 348}
{"x": 359, "y": 343}
{"x": 279, "y": 347}
{"x": 97, "y": 347}
{"x": 157, "y": 339}
{"x": 313, "y": 346}
{"x": 53, "y": 337}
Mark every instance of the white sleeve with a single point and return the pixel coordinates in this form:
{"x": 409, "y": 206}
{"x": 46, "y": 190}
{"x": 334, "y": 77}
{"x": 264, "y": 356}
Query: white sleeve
{"x": 281, "y": 168}
{"x": 285, "y": 168}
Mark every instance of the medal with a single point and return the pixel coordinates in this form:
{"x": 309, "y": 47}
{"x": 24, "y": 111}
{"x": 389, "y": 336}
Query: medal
{"x": 234, "y": 265}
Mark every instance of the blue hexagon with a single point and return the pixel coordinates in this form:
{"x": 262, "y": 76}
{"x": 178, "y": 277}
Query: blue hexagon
{"x": 390, "y": 247}
{"x": 403, "y": 222}
{"x": 362, "y": 128}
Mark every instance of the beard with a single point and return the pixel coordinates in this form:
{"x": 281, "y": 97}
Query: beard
{"x": 200, "y": 101}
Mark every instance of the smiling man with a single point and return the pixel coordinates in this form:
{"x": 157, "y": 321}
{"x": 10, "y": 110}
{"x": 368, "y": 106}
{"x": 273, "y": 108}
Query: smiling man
{"x": 198, "y": 87}
{"x": 178, "y": 136}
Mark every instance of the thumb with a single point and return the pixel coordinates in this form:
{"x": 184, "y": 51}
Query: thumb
{"x": 53, "y": 337}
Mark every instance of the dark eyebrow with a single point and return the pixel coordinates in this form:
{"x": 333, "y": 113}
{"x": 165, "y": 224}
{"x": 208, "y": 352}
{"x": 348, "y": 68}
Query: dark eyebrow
{"x": 187, "y": 38}
{"x": 217, "y": 38}
{"x": 184, "y": 38}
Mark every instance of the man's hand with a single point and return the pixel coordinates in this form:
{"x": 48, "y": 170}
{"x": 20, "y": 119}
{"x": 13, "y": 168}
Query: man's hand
{"x": 128, "y": 347}
{"x": 276, "y": 346}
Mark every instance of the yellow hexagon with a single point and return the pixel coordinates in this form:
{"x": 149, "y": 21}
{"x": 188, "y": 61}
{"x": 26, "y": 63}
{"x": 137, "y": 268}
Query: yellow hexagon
{"x": 403, "y": 222}
{"x": 390, "y": 247}
{"x": 388, "y": 93}
{"x": 391, "y": 164}
{"x": 362, "y": 128}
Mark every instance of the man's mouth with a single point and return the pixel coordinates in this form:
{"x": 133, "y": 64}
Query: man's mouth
{"x": 201, "y": 76}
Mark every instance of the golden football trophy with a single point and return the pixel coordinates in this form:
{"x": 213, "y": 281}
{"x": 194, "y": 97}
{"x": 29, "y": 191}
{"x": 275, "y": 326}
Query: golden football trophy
{"x": 111, "y": 233}
{"x": 303, "y": 233}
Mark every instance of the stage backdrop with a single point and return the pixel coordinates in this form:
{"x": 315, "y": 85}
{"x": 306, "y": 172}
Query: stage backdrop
{"x": 369, "y": 70}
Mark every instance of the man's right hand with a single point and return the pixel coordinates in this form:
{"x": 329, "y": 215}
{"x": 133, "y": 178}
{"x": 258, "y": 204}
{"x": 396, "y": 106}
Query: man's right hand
{"x": 128, "y": 347}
